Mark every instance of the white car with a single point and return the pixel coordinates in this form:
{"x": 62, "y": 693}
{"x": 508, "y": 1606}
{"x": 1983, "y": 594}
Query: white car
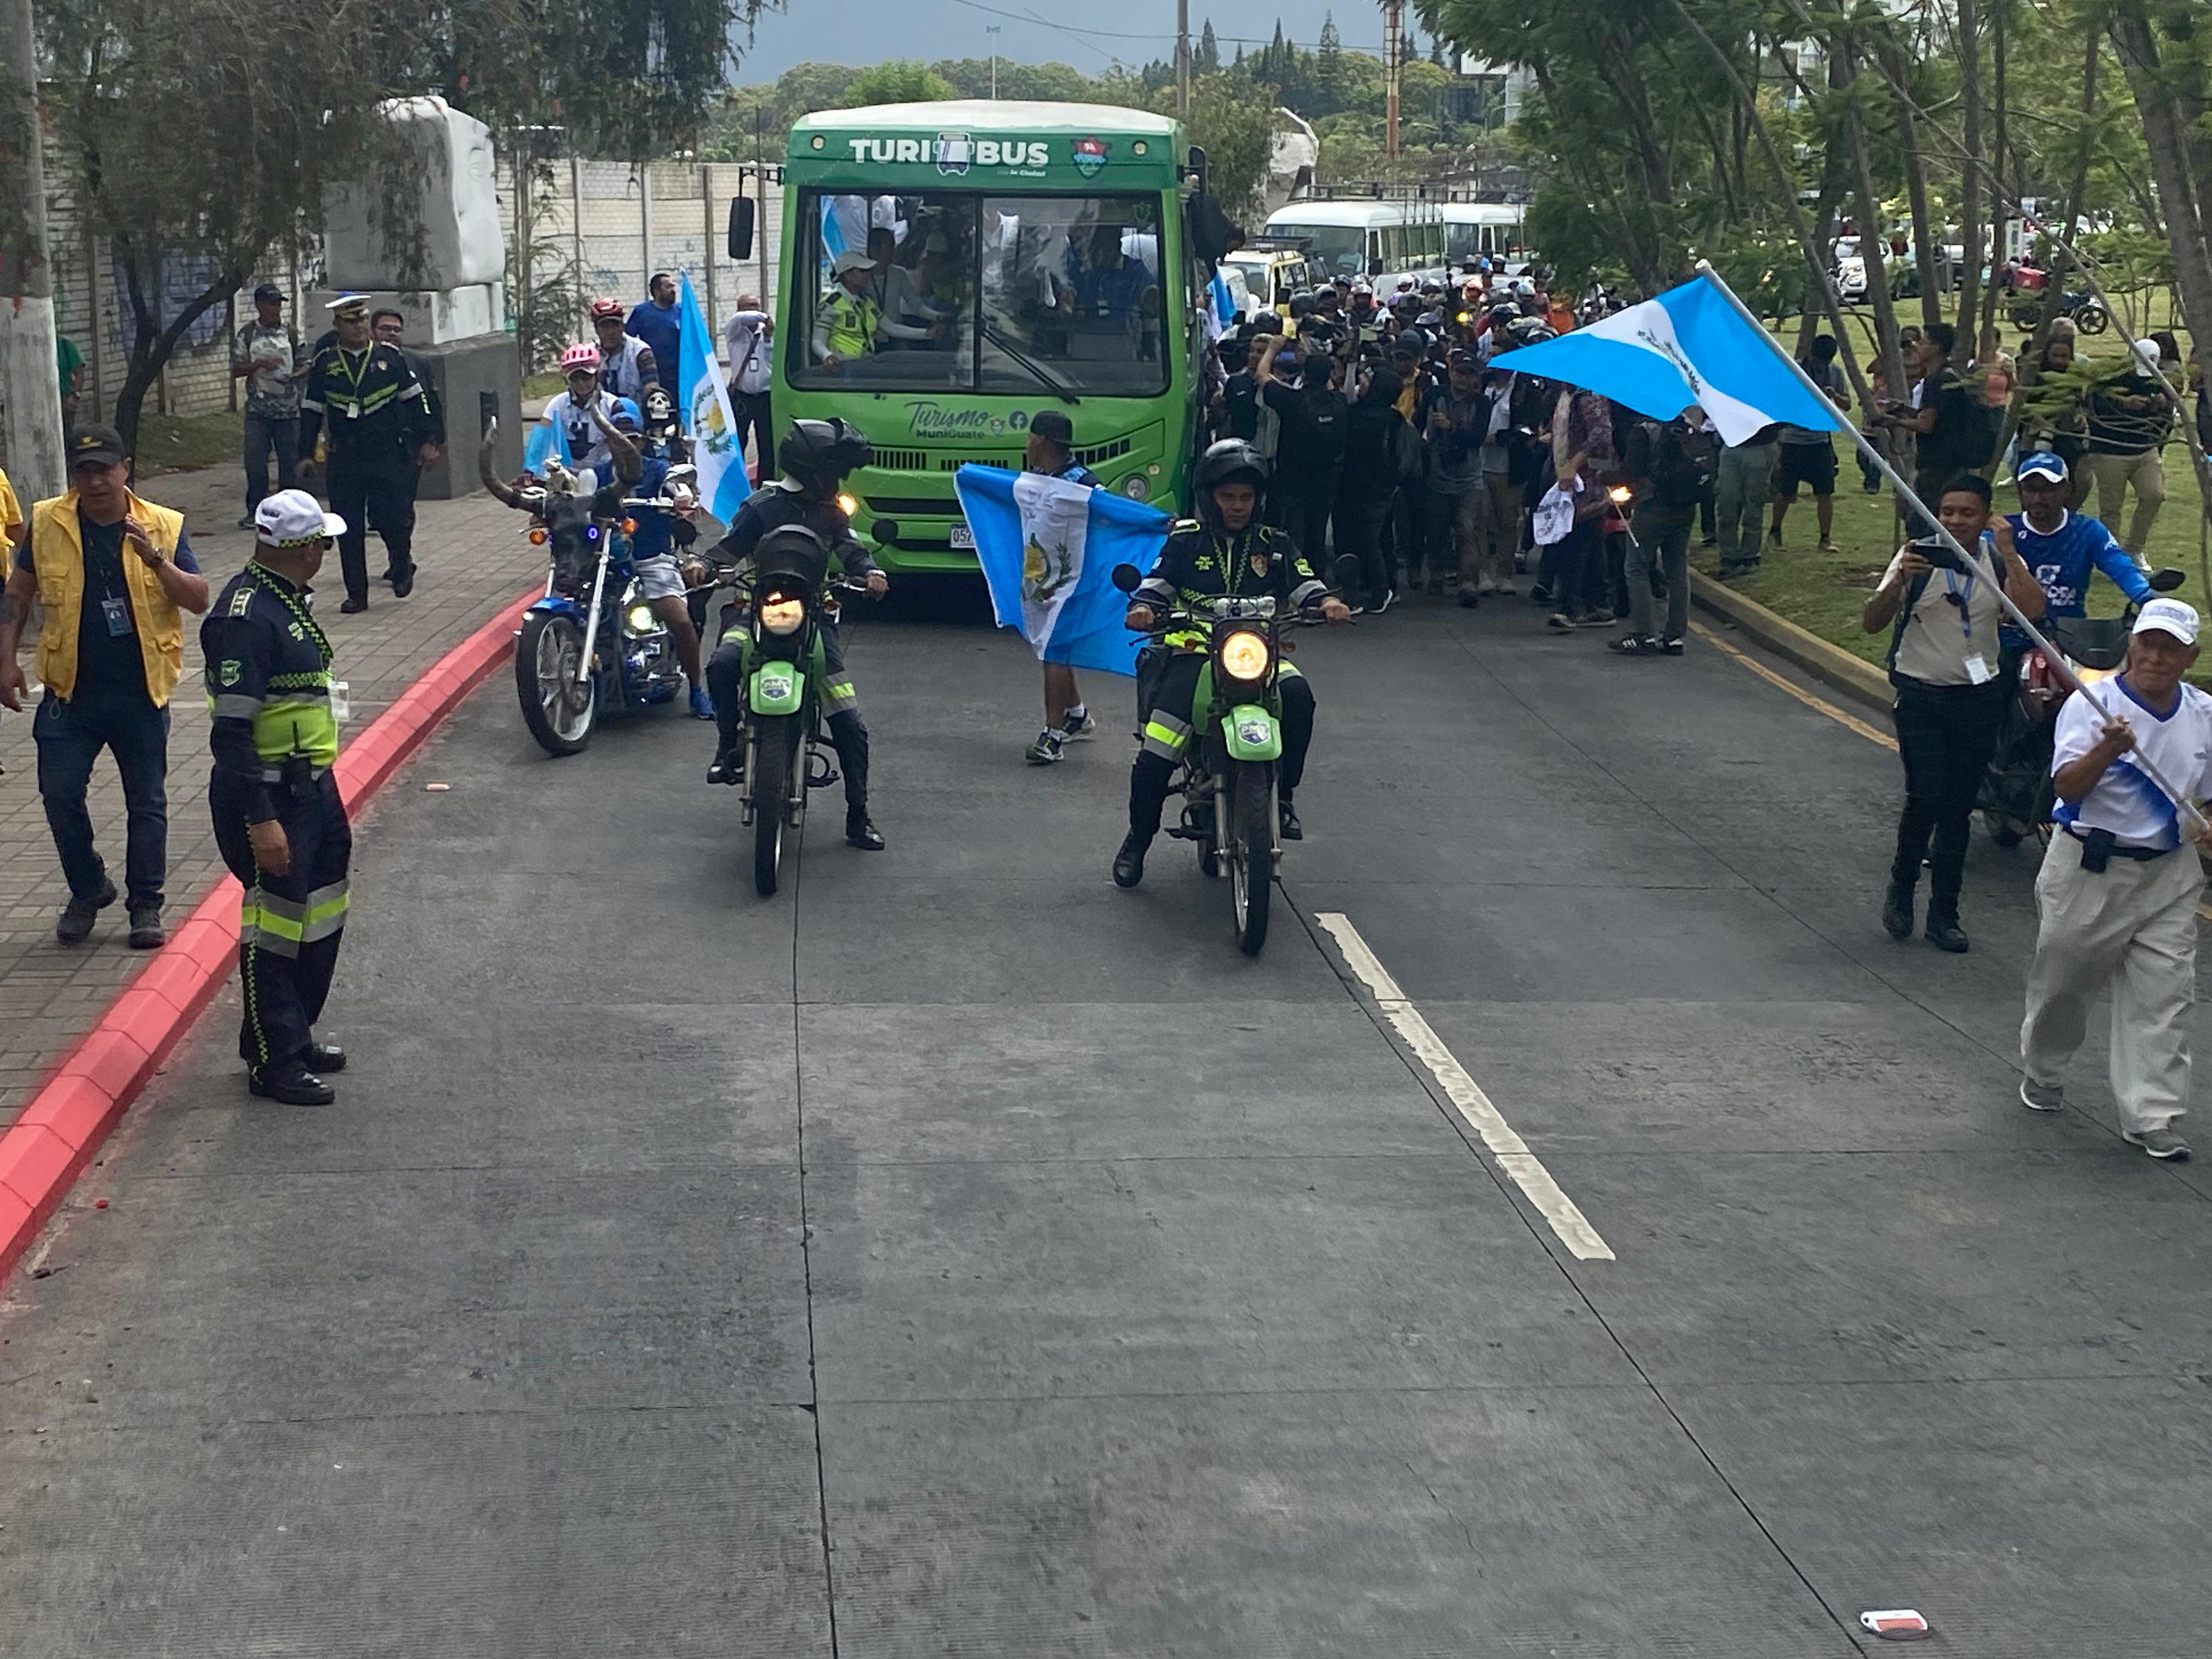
{"x": 1850, "y": 279}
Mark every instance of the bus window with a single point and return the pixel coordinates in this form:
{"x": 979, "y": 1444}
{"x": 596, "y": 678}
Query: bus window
{"x": 904, "y": 319}
{"x": 1072, "y": 296}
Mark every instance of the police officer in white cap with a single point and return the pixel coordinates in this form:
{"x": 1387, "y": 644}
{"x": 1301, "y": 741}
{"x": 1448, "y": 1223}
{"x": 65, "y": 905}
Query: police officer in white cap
{"x": 278, "y": 820}
{"x": 2120, "y": 888}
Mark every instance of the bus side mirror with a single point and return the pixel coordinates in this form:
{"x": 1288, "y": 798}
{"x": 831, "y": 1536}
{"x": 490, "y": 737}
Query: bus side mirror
{"x": 741, "y": 227}
{"x": 1209, "y": 229}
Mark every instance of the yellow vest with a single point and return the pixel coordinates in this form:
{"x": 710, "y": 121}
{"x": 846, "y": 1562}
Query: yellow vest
{"x": 58, "y": 558}
{"x": 852, "y": 319}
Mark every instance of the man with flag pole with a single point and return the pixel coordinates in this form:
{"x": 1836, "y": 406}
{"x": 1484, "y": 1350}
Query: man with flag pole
{"x": 1700, "y": 344}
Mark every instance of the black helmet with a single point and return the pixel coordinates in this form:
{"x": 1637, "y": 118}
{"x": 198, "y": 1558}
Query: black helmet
{"x": 819, "y": 453}
{"x": 1229, "y": 461}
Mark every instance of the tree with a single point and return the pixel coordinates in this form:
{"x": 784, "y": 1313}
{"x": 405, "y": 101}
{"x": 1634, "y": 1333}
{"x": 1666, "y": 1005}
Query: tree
{"x": 180, "y": 146}
{"x": 1330, "y": 87}
{"x": 899, "y": 81}
{"x": 1234, "y": 122}
{"x": 1207, "y": 60}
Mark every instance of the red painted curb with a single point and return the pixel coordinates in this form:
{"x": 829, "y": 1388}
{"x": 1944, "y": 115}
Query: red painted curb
{"x": 45, "y": 1149}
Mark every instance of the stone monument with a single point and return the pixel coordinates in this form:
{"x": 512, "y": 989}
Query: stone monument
{"x": 456, "y": 326}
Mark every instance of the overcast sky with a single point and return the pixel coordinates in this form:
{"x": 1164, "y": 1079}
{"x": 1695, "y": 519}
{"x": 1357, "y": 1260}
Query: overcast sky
{"x": 869, "y": 31}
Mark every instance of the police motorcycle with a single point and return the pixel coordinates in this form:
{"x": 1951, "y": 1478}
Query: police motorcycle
{"x": 785, "y": 597}
{"x": 2016, "y": 796}
{"x": 1227, "y": 772}
{"x": 591, "y": 642}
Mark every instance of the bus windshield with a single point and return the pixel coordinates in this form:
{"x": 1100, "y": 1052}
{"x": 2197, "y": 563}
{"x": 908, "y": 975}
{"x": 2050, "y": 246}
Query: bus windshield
{"x": 969, "y": 292}
{"x": 1338, "y": 250}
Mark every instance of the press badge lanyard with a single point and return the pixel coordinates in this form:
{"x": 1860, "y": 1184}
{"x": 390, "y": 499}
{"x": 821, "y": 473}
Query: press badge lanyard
{"x": 114, "y": 601}
{"x": 1976, "y": 666}
{"x": 354, "y": 377}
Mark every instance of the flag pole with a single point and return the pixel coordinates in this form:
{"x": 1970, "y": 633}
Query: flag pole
{"x": 2056, "y": 659}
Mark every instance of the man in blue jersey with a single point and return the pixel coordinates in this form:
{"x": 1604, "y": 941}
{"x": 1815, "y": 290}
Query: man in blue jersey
{"x": 2063, "y": 547}
{"x": 653, "y": 544}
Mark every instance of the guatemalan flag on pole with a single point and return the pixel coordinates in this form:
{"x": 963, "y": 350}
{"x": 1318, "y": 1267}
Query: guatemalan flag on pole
{"x": 1690, "y": 345}
{"x": 703, "y": 398}
{"x": 1048, "y": 547}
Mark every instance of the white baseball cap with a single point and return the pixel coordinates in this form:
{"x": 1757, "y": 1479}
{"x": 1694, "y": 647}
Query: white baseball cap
{"x": 2168, "y": 617}
{"x": 851, "y": 259}
{"x": 292, "y": 518}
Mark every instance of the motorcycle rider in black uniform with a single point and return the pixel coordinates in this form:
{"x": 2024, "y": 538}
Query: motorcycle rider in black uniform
{"x": 1225, "y": 552}
{"x": 814, "y": 456}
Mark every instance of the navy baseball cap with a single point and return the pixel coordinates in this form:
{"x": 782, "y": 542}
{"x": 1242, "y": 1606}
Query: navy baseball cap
{"x": 2050, "y": 468}
{"x": 268, "y": 293}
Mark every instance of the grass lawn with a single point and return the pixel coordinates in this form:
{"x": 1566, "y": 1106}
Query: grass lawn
{"x": 544, "y": 383}
{"x": 179, "y": 443}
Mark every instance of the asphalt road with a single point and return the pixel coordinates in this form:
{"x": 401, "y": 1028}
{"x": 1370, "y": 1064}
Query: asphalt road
{"x": 956, "y": 1255}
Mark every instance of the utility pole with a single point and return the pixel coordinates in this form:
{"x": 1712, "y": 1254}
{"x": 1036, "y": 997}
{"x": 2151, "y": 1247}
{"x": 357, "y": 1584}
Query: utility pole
{"x": 1182, "y": 59}
{"x": 992, "y": 29}
{"x": 1393, "y": 51}
{"x": 28, "y": 356}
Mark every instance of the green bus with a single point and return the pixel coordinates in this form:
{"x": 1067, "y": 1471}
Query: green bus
{"x": 1032, "y": 256}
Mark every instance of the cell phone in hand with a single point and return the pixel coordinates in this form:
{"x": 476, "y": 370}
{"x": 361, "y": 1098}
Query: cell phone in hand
{"x": 1936, "y": 551}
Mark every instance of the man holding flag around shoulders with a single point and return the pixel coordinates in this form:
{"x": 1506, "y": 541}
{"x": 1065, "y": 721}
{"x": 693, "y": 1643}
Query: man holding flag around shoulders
{"x": 1050, "y": 453}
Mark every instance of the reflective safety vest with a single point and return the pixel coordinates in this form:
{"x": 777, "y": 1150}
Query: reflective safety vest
{"x": 851, "y": 322}
{"x": 58, "y": 560}
{"x": 270, "y": 665}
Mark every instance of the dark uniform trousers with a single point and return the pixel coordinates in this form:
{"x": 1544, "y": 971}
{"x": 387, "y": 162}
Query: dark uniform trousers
{"x": 373, "y": 494}
{"x": 1165, "y": 722}
{"x": 849, "y": 733}
{"x": 290, "y": 925}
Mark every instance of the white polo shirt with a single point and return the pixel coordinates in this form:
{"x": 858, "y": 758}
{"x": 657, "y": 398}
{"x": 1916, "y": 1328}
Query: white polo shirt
{"x": 2125, "y": 801}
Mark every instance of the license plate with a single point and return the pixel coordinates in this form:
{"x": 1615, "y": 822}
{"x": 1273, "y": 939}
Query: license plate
{"x": 964, "y": 537}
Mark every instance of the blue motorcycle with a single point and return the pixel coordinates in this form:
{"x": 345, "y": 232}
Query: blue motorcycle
{"x": 591, "y": 642}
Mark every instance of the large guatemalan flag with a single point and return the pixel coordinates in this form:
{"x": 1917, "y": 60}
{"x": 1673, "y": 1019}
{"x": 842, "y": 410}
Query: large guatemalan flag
{"x": 702, "y": 401}
{"x": 1690, "y": 345}
{"x": 1048, "y": 547}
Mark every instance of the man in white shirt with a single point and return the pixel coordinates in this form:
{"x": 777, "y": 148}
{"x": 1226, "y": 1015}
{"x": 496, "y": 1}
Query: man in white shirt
{"x": 2119, "y": 887}
{"x": 746, "y": 338}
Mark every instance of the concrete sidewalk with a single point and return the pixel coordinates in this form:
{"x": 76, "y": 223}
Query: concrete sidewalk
{"x": 471, "y": 559}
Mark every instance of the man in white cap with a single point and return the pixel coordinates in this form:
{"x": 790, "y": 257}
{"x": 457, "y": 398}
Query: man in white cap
{"x": 848, "y": 321}
{"x": 2131, "y": 418}
{"x": 278, "y": 820}
{"x": 2119, "y": 887}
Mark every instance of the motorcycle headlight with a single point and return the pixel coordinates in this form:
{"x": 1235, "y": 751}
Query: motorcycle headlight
{"x": 782, "y": 615}
{"x": 640, "y": 619}
{"x": 1244, "y": 656}
{"x": 848, "y": 505}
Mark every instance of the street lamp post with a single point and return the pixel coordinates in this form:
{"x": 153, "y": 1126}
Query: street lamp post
{"x": 992, "y": 29}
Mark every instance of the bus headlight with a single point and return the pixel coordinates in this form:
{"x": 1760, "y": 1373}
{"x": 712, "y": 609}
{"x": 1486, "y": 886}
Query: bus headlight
{"x": 782, "y": 615}
{"x": 640, "y": 619}
{"x": 1244, "y": 656}
{"x": 1136, "y": 488}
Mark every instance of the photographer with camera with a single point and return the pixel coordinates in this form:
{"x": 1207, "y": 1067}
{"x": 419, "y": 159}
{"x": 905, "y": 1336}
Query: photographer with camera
{"x": 1943, "y": 661}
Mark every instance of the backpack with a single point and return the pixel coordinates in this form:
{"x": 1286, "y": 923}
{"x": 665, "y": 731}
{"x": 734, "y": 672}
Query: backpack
{"x": 1683, "y": 466}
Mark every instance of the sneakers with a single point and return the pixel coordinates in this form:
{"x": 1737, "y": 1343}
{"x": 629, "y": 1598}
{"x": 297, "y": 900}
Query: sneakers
{"x": 1671, "y": 644}
{"x": 1562, "y": 622}
{"x": 1945, "y": 935}
{"x": 703, "y": 705}
{"x": 2042, "y": 1096}
{"x": 1077, "y": 723}
{"x": 1506, "y": 590}
{"x": 1540, "y": 594}
{"x": 1390, "y": 597}
{"x": 325, "y": 1057}
{"x": 2163, "y": 1142}
{"x": 1827, "y": 545}
{"x": 146, "y": 932}
{"x": 1486, "y": 585}
{"x": 1598, "y": 618}
{"x": 1634, "y": 645}
{"x": 74, "y": 924}
{"x": 1046, "y": 750}
{"x": 353, "y": 607}
{"x": 1129, "y": 862}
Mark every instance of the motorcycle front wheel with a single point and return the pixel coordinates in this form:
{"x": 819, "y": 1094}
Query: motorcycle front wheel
{"x": 559, "y": 699}
{"x": 775, "y": 743}
{"x": 2092, "y": 319}
{"x": 1251, "y": 852}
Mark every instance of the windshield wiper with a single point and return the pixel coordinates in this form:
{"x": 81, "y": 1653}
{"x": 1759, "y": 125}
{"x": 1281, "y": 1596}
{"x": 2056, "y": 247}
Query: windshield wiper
{"x": 1045, "y": 377}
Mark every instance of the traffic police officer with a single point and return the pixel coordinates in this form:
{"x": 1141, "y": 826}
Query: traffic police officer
{"x": 381, "y": 428}
{"x": 815, "y": 455}
{"x": 278, "y": 820}
{"x": 1225, "y": 552}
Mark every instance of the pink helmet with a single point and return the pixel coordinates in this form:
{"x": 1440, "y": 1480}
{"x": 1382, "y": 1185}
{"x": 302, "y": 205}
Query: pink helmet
{"x": 582, "y": 354}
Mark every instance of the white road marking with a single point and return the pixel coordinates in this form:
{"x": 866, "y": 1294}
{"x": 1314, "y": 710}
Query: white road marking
{"x": 1482, "y": 1115}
